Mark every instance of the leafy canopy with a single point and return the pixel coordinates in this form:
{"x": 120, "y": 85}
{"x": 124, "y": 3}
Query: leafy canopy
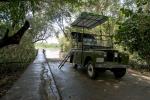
{"x": 134, "y": 33}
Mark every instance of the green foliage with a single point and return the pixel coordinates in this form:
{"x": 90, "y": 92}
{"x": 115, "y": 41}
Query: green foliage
{"x": 22, "y": 53}
{"x": 15, "y": 59}
{"x": 126, "y": 12}
{"x": 134, "y": 35}
{"x": 13, "y": 14}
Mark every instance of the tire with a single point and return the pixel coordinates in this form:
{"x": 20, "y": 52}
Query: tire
{"x": 91, "y": 70}
{"x": 119, "y": 72}
{"x": 75, "y": 66}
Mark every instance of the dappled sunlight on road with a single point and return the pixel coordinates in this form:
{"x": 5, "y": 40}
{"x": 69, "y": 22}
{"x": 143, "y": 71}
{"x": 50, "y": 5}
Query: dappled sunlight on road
{"x": 140, "y": 76}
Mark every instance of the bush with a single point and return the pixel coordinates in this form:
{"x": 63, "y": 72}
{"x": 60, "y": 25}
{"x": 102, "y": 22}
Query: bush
{"x": 15, "y": 57}
{"x": 134, "y": 35}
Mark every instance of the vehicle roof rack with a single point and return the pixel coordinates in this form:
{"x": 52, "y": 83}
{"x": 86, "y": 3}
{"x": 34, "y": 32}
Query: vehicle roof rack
{"x": 89, "y": 20}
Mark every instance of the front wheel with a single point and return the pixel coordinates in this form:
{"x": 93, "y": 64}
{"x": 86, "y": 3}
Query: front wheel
{"x": 119, "y": 72}
{"x": 91, "y": 70}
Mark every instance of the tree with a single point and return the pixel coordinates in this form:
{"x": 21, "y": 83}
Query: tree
{"x": 15, "y": 39}
{"x": 13, "y": 14}
{"x": 133, "y": 33}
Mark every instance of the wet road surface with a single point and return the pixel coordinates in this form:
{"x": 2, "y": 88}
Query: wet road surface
{"x": 75, "y": 85}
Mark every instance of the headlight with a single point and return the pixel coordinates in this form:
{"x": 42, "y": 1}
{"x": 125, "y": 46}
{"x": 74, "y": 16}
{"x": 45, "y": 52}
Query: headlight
{"x": 99, "y": 59}
{"x": 115, "y": 54}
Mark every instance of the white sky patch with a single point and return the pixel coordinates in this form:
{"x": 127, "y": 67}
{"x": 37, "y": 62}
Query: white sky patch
{"x": 57, "y": 28}
{"x": 122, "y": 1}
{"x": 52, "y": 40}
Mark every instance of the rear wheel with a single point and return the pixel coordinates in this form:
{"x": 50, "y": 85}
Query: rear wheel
{"x": 119, "y": 72}
{"x": 91, "y": 70}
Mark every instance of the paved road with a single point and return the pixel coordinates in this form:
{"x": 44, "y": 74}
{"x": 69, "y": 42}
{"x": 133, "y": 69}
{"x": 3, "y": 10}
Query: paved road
{"x": 75, "y": 85}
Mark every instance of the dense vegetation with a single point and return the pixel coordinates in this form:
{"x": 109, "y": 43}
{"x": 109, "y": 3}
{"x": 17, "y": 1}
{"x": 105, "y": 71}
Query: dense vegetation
{"x": 133, "y": 33}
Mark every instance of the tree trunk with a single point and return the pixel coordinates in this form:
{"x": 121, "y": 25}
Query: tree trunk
{"x": 15, "y": 39}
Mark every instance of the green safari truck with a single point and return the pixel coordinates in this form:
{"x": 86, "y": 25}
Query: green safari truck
{"x": 95, "y": 52}
{"x": 97, "y": 58}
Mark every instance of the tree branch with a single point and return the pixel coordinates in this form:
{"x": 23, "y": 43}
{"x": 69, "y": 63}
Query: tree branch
{"x": 15, "y": 39}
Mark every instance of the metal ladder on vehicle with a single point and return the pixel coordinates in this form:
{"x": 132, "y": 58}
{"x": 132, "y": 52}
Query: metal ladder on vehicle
{"x": 65, "y": 59}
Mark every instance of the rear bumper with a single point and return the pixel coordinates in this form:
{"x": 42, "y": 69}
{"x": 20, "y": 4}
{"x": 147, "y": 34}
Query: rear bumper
{"x": 110, "y": 65}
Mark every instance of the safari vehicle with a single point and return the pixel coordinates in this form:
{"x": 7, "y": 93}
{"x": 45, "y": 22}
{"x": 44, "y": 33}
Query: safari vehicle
{"x": 95, "y": 52}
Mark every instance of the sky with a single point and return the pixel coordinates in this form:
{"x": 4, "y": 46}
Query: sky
{"x": 52, "y": 40}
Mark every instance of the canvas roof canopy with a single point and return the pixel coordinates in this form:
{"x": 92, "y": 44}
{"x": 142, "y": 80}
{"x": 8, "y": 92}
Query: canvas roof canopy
{"x": 89, "y": 20}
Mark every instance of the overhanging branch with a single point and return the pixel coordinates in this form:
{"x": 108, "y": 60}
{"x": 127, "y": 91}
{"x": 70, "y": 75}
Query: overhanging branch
{"x": 15, "y": 39}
